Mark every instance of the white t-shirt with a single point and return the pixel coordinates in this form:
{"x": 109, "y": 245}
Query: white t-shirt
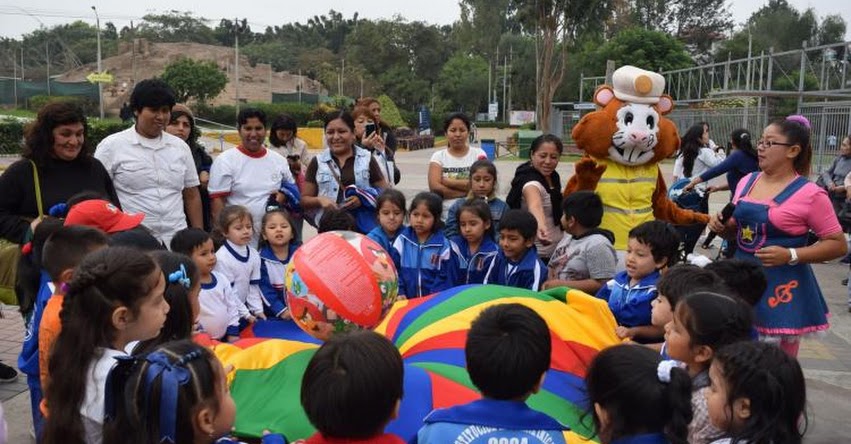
{"x": 706, "y": 159}
{"x": 149, "y": 177}
{"x": 240, "y": 267}
{"x": 456, "y": 168}
{"x": 247, "y": 179}
{"x": 92, "y": 408}
{"x": 219, "y": 307}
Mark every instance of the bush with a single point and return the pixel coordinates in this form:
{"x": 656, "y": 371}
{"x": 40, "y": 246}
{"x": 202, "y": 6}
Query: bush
{"x": 11, "y": 136}
{"x": 99, "y": 129}
{"x": 90, "y": 106}
{"x": 226, "y": 114}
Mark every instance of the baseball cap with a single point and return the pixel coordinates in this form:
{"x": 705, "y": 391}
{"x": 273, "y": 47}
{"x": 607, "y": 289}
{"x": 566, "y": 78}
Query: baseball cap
{"x": 102, "y": 214}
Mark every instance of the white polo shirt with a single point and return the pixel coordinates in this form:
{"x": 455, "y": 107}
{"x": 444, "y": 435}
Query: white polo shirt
{"x": 149, "y": 177}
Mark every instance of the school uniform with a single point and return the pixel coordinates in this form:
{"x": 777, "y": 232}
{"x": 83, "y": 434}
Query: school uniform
{"x": 240, "y": 266}
{"x": 471, "y": 268}
{"x": 382, "y": 238}
{"x": 423, "y": 268}
{"x": 529, "y": 272}
{"x": 630, "y": 304}
{"x": 219, "y": 308}
{"x": 273, "y": 272}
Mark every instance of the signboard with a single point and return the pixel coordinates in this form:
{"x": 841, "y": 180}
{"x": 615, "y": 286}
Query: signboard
{"x": 100, "y": 77}
{"x": 493, "y": 111}
{"x": 584, "y": 105}
{"x": 518, "y": 118}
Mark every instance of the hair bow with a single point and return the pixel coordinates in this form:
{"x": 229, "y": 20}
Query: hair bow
{"x": 663, "y": 371}
{"x": 58, "y": 210}
{"x": 180, "y": 277}
{"x": 172, "y": 376}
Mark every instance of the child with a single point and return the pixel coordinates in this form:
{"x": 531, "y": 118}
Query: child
{"x": 756, "y": 395}
{"x": 181, "y": 292}
{"x": 239, "y": 263}
{"x": 218, "y": 314}
{"x": 201, "y": 410}
{"x": 508, "y": 353}
{"x": 391, "y": 215}
{"x": 422, "y": 251}
{"x": 483, "y": 186}
{"x": 586, "y": 259}
{"x": 352, "y": 388}
{"x": 517, "y": 263}
{"x": 114, "y": 298}
{"x": 336, "y": 219}
{"x": 636, "y": 397}
{"x": 473, "y": 250}
{"x": 652, "y": 247}
{"x": 277, "y": 245}
{"x": 703, "y": 323}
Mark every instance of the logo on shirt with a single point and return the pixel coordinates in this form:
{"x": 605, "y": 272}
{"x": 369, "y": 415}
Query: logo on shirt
{"x": 751, "y": 237}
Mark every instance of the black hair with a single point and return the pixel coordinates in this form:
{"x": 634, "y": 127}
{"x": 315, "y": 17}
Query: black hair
{"x": 507, "y": 350}
{"x": 490, "y": 168}
{"x": 138, "y": 401}
{"x": 352, "y": 384}
{"x": 661, "y": 237}
{"x": 38, "y": 137}
{"x": 773, "y": 383}
{"x": 714, "y": 319}
{"x": 457, "y": 116}
{"x": 336, "y": 219}
{"x": 479, "y": 208}
{"x": 798, "y": 134}
{"x": 180, "y": 319}
{"x": 684, "y": 279}
{"x": 28, "y": 272}
{"x": 546, "y": 138}
{"x": 743, "y": 140}
{"x": 67, "y": 247}
{"x": 187, "y": 240}
{"x": 521, "y": 221}
{"x": 106, "y": 279}
{"x": 393, "y": 196}
{"x": 250, "y": 113}
{"x": 624, "y": 381}
{"x": 434, "y": 205}
{"x": 744, "y": 279}
{"x": 690, "y": 145}
{"x": 194, "y": 132}
{"x": 584, "y": 206}
{"x": 83, "y": 196}
{"x": 151, "y": 93}
{"x": 342, "y": 115}
{"x": 263, "y": 242}
{"x": 139, "y": 238}
{"x": 282, "y": 122}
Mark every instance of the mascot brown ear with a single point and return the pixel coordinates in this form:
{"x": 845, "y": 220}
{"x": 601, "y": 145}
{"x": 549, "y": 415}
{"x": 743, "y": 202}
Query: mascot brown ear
{"x": 665, "y": 105}
{"x": 603, "y": 95}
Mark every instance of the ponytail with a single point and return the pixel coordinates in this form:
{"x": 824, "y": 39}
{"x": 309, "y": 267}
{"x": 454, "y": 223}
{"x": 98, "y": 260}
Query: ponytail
{"x": 678, "y": 392}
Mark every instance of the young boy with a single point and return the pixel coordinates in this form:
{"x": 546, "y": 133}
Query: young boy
{"x": 652, "y": 247}
{"x": 63, "y": 251}
{"x": 517, "y": 263}
{"x": 352, "y": 388}
{"x": 219, "y": 316}
{"x": 336, "y": 219}
{"x": 508, "y": 352}
{"x": 586, "y": 259}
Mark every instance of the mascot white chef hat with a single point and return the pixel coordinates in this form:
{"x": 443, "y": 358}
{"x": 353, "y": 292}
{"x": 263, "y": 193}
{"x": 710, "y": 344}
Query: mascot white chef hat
{"x": 637, "y": 85}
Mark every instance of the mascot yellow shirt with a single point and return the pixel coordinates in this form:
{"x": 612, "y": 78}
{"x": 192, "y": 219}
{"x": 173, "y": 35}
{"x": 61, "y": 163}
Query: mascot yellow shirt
{"x": 627, "y": 195}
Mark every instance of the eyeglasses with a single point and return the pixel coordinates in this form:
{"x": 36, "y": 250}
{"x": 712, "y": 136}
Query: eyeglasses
{"x": 771, "y": 143}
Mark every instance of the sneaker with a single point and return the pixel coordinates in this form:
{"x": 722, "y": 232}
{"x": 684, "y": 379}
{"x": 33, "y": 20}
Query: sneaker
{"x": 7, "y": 374}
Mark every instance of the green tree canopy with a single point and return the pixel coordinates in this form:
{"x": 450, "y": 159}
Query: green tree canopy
{"x": 651, "y": 50}
{"x": 463, "y": 83}
{"x": 193, "y": 79}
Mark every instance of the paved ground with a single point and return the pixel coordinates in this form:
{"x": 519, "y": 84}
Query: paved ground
{"x": 826, "y": 361}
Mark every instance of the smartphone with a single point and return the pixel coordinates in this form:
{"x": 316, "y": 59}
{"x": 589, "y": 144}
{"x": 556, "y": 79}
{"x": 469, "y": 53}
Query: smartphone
{"x": 370, "y": 129}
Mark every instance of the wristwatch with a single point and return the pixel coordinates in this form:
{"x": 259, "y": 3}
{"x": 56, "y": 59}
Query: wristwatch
{"x": 794, "y": 259}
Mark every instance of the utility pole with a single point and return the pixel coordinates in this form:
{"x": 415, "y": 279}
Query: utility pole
{"x": 100, "y": 66}
{"x": 47, "y": 56}
{"x": 236, "y": 62}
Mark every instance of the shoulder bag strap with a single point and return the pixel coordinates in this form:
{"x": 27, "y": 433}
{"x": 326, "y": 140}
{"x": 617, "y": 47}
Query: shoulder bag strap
{"x": 37, "y": 183}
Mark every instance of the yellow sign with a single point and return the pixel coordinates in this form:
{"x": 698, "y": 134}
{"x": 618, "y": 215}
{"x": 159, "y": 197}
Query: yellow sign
{"x": 100, "y": 77}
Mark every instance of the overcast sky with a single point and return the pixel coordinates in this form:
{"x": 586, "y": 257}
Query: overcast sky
{"x": 19, "y": 17}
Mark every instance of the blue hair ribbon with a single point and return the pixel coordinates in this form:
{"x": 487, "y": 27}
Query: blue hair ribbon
{"x": 180, "y": 277}
{"x": 58, "y": 210}
{"x": 172, "y": 376}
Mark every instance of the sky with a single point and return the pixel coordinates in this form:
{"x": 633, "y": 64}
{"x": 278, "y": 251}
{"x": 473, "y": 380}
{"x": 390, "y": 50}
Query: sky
{"x": 21, "y": 17}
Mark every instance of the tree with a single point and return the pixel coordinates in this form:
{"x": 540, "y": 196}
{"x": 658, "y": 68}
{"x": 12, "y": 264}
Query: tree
{"x": 176, "y": 26}
{"x": 463, "y": 83}
{"x": 697, "y": 23}
{"x": 651, "y": 50}
{"x": 194, "y": 79}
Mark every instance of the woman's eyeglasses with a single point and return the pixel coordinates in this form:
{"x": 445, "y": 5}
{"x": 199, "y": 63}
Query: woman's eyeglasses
{"x": 770, "y": 143}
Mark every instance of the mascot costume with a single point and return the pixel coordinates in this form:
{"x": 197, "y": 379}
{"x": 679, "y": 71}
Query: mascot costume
{"x": 624, "y": 143}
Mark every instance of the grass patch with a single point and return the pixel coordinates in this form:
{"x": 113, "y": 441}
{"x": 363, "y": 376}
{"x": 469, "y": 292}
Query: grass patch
{"x": 18, "y": 113}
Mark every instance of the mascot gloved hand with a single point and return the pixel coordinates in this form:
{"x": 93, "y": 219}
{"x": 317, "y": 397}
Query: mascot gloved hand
{"x": 624, "y": 143}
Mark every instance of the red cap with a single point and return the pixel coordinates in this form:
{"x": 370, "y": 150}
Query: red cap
{"x": 102, "y": 214}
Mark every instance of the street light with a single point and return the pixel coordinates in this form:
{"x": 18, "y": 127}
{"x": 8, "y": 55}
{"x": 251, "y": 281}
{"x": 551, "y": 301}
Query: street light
{"x": 100, "y": 69}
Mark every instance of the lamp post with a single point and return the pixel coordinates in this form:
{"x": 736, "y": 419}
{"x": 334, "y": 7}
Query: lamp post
{"x": 100, "y": 68}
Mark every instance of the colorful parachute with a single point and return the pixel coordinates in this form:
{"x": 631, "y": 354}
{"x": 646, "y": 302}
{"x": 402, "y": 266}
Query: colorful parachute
{"x": 430, "y": 334}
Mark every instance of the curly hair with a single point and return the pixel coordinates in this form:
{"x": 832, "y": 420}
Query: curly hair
{"x": 38, "y": 137}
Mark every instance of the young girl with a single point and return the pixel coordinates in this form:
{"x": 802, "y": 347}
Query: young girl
{"x": 483, "y": 185}
{"x": 239, "y": 263}
{"x": 178, "y": 394}
{"x": 703, "y": 323}
{"x": 636, "y": 397}
{"x": 391, "y": 215}
{"x": 181, "y": 292}
{"x": 277, "y": 245}
{"x": 756, "y": 395}
{"x": 422, "y": 251}
{"x": 474, "y": 249}
{"x": 114, "y": 298}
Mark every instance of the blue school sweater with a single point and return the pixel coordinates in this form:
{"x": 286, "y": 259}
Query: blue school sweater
{"x": 273, "y": 280}
{"x": 528, "y": 273}
{"x": 630, "y": 305}
{"x": 381, "y": 238}
{"x": 423, "y": 268}
{"x": 471, "y": 268}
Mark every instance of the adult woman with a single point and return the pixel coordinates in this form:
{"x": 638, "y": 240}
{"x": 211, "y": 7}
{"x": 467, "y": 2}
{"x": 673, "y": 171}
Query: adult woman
{"x": 536, "y": 187}
{"x": 449, "y": 169}
{"x": 342, "y": 175}
{"x": 182, "y": 124}
{"x": 833, "y": 180}
{"x": 283, "y": 138}
{"x": 382, "y": 128}
{"x": 56, "y": 165}
{"x": 775, "y": 209}
{"x": 368, "y": 136}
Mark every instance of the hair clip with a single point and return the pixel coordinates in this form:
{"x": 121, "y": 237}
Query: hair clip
{"x": 663, "y": 371}
{"x": 745, "y": 136}
{"x": 180, "y": 277}
{"x": 58, "y": 210}
{"x": 797, "y": 118}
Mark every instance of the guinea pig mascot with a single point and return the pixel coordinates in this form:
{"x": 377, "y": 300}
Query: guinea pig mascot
{"x": 624, "y": 143}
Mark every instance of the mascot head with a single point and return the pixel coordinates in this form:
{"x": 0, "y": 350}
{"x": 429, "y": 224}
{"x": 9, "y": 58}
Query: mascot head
{"x": 629, "y": 129}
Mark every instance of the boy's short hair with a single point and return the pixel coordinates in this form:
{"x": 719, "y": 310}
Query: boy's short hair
{"x": 744, "y": 279}
{"x": 585, "y": 206}
{"x": 684, "y": 279}
{"x": 521, "y": 221}
{"x": 187, "y": 240}
{"x": 151, "y": 93}
{"x": 352, "y": 384}
{"x": 508, "y": 349}
{"x": 67, "y": 247}
{"x": 661, "y": 237}
{"x": 336, "y": 219}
